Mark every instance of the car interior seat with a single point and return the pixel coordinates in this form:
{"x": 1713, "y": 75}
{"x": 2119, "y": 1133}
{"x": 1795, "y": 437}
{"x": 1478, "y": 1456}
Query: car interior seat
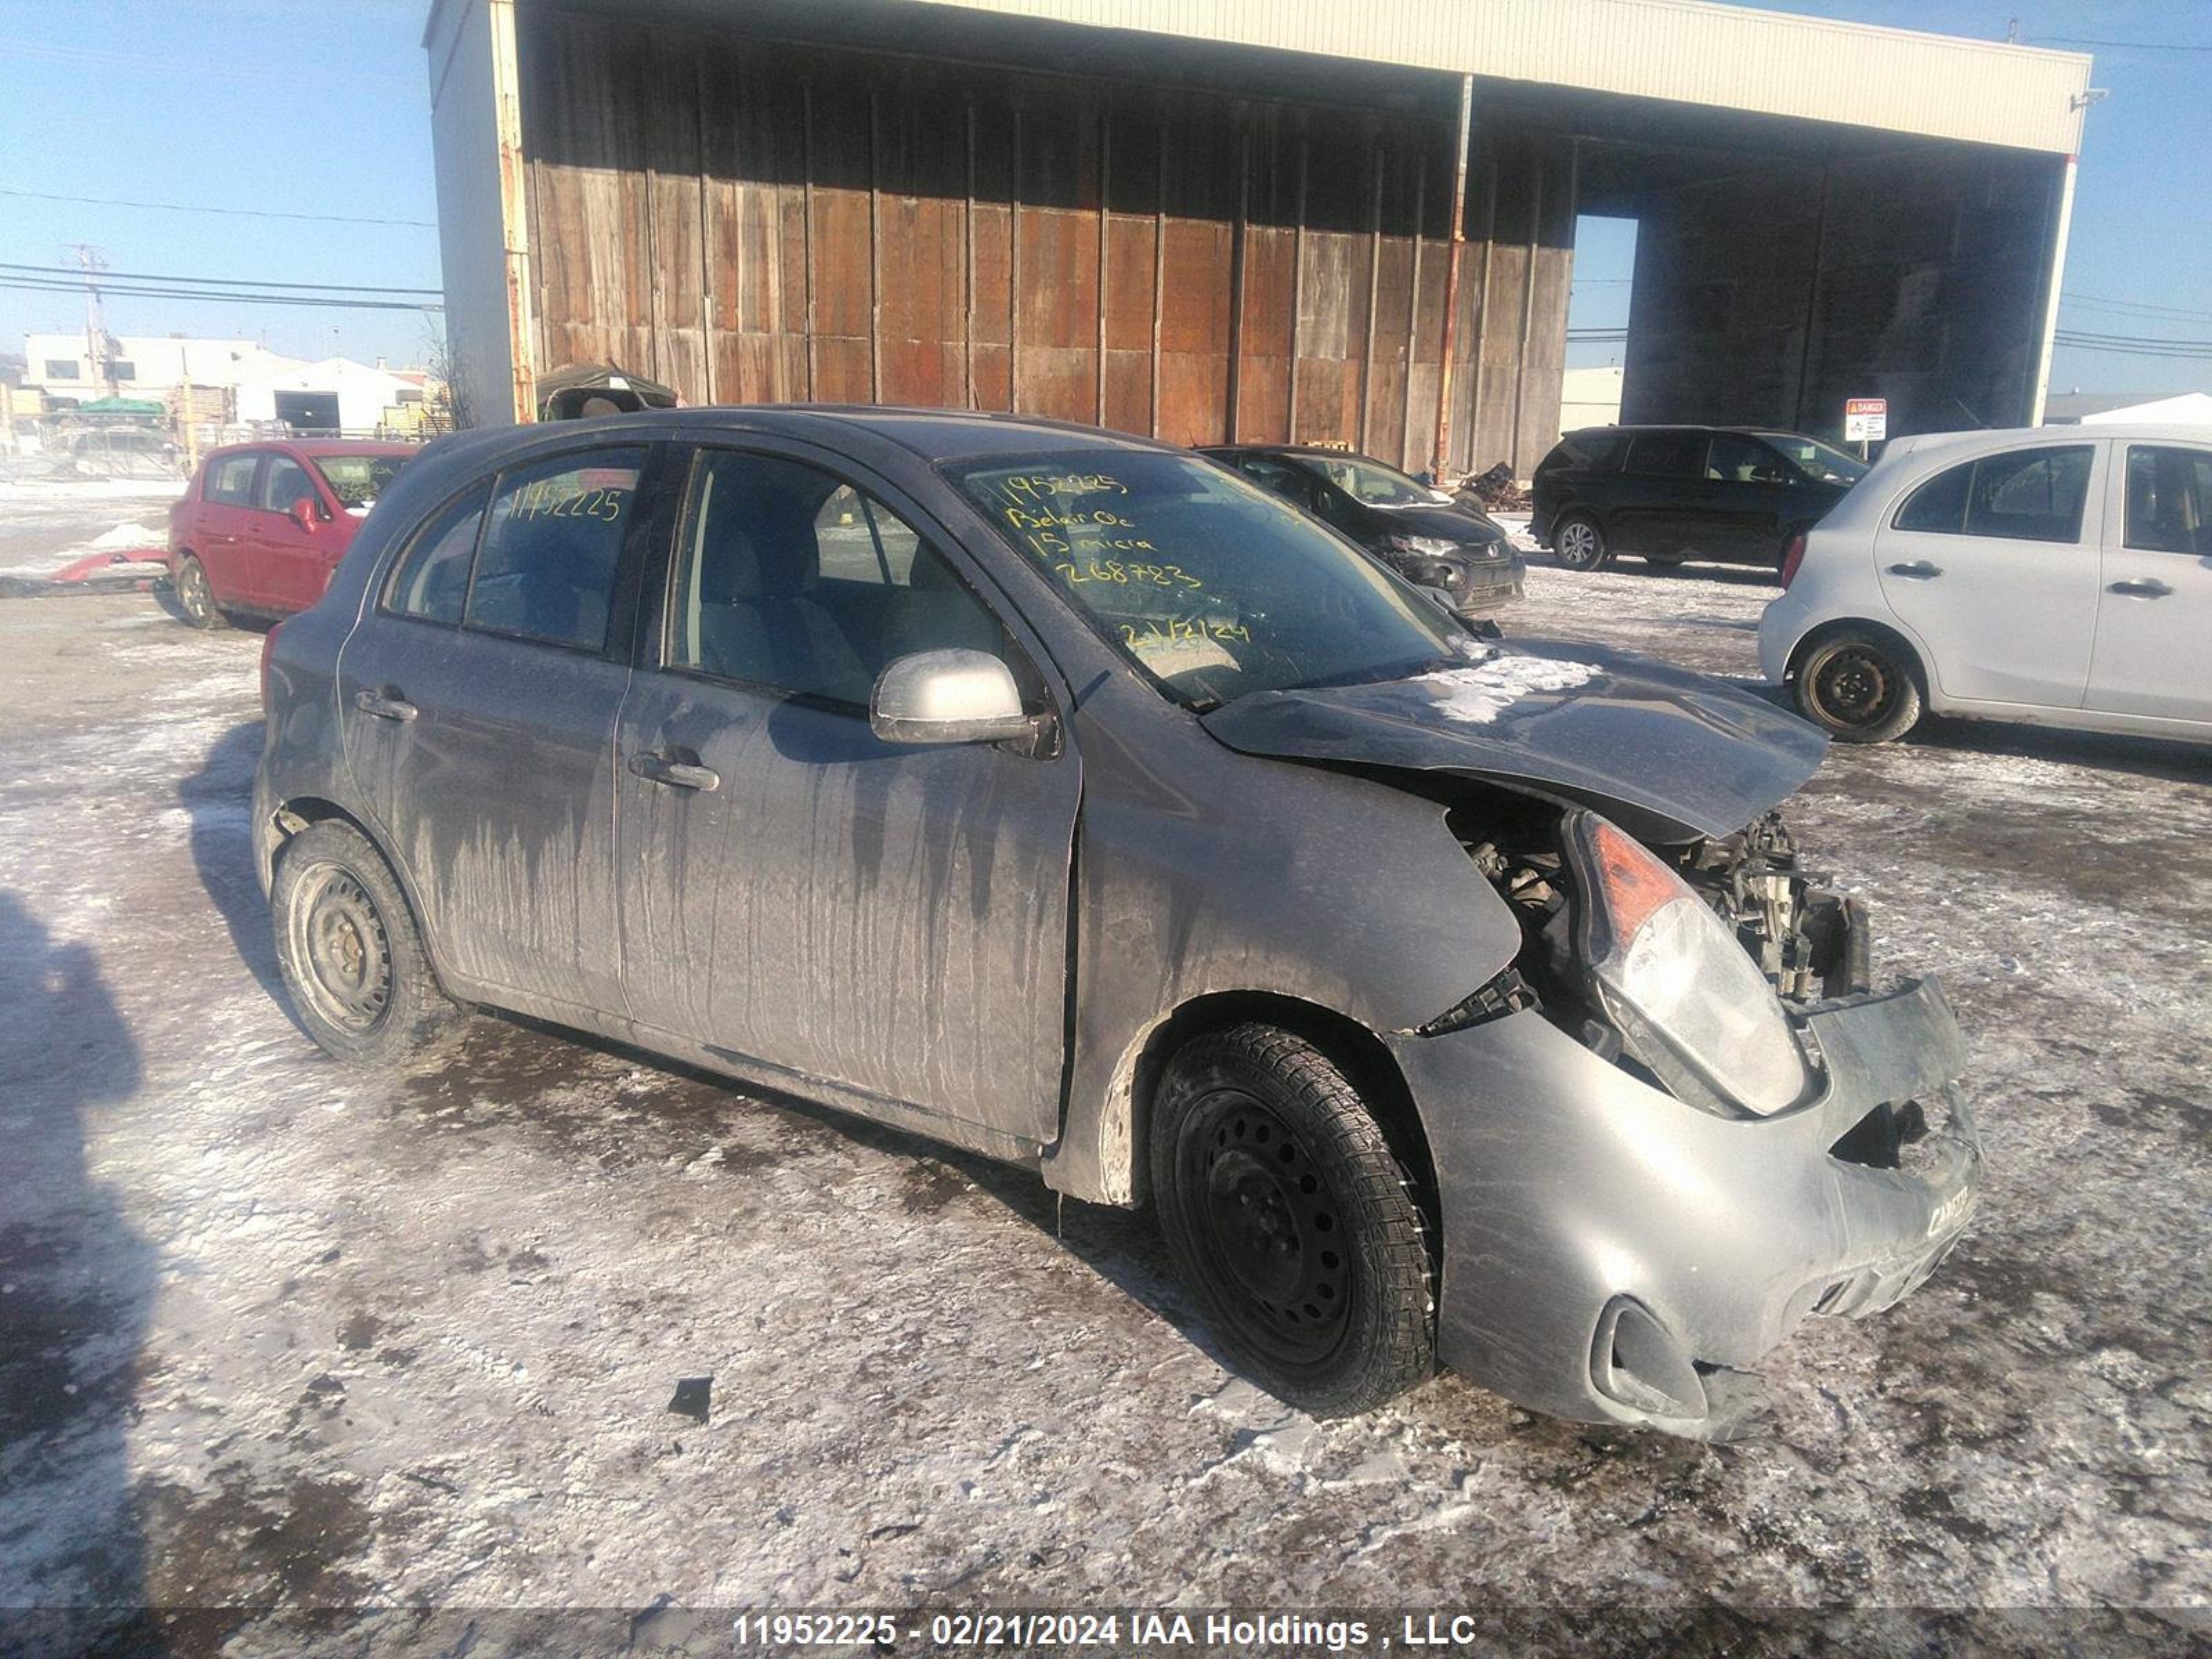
{"x": 750, "y": 615}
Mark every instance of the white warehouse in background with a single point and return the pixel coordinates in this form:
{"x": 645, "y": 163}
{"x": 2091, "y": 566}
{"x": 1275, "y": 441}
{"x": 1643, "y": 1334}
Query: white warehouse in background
{"x": 142, "y": 366}
{"x": 1590, "y": 396}
{"x": 2134, "y": 408}
{"x": 335, "y": 395}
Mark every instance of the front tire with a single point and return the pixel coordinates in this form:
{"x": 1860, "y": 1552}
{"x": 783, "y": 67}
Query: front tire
{"x": 1859, "y": 688}
{"x": 195, "y": 598}
{"x": 349, "y": 951}
{"x": 1292, "y": 1221}
{"x": 1579, "y": 543}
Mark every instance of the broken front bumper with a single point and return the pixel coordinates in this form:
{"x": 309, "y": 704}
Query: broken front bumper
{"x": 1612, "y": 1255}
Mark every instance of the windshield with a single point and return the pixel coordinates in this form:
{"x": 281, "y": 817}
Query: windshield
{"x": 1211, "y": 586}
{"x": 1815, "y": 459}
{"x": 358, "y": 480}
{"x": 1368, "y": 481}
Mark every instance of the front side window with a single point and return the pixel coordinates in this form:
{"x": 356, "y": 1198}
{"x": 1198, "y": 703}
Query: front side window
{"x": 545, "y": 567}
{"x": 2169, "y": 499}
{"x": 432, "y": 579}
{"x": 230, "y": 480}
{"x": 284, "y": 481}
{"x": 1821, "y": 463}
{"x": 1286, "y": 481}
{"x": 1734, "y": 458}
{"x": 1212, "y": 586}
{"x": 1666, "y": 454}
{"x": 789, "y": 578}
{"x": 2024, "y": 494}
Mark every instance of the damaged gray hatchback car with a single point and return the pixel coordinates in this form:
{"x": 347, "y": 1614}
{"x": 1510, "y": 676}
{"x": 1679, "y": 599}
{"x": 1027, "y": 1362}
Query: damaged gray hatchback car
{"x": 1063, "y": 797}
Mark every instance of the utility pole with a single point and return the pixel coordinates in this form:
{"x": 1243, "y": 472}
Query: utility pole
{"x": 89, "y": 261}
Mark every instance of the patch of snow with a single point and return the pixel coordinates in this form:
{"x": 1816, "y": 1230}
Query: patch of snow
{"x": 1478, "y": 695}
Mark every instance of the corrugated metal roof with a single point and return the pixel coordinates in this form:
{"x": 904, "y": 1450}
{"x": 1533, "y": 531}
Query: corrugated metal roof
{"x": 1684, "y": 51}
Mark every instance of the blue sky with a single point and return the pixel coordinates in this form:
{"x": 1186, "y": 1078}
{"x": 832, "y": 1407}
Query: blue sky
{"x": 323, "y": 107}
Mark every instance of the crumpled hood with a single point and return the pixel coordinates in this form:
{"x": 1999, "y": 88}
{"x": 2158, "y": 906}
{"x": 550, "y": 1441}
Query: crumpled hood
{"x": 1451, "y": 524}
{"x": 1671, "y": 755}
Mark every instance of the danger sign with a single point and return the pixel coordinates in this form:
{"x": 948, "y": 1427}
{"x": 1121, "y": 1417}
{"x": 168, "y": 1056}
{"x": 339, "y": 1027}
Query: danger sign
{"x": 1866, "y": 420}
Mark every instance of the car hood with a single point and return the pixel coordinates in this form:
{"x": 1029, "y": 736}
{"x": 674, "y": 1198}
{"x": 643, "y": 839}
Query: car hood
{"x": 1671, "y": 755}
{"x": 1453, "y": 524}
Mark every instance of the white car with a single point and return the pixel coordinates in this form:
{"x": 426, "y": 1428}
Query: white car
{"x": 2060, "y": 576}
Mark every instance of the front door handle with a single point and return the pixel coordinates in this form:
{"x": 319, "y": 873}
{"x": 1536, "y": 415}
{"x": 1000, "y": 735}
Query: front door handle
{"x": 1919, "y": 570}
{"x": 385, "y": 708}
{"x": 2144, "y": 587}
{"x": 678, "y": 774}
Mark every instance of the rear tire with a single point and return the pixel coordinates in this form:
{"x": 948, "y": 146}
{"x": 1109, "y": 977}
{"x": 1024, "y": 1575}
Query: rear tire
{"x": 1292, "y": 1221}
{"x": 351, "y": 956}
{"x": 1579, "y": 543}
{"x": 1857, "y": 686}
{"x": 195, "y": 598}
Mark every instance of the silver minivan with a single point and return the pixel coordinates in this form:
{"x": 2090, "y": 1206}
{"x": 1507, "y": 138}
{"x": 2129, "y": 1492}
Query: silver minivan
{"x": 1064, "y": 797}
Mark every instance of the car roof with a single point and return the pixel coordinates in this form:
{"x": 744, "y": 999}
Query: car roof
{"x": 933, "y": 433}
{"x": 316, "y": 448}
{"x": 1320, "y": 451}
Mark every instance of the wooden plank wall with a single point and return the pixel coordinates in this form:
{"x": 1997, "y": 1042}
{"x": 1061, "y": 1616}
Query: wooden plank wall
{"x": 756, "y": 221}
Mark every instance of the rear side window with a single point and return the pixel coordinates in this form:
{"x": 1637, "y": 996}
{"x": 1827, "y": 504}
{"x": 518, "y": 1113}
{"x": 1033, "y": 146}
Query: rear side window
{"x": 2169, "y": 500}
{"x": 546, "y": 569}
{"x": 2025, "y": 494}
{"x": 1666, "y": 454}
{"x": 432, "y": 580}
{"x": 230, "y": 480}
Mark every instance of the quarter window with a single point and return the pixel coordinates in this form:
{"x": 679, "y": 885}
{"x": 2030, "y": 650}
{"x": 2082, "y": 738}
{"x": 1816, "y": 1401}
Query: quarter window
{"x": 432, "y": 580}
{"x": 1666, "y": 454}
{"x": 2169, "y": 498}
{"x": 787, "y": 577}
{"x": 2025, "y": 494}
{"x": 231, "y": 480}
{"x": 545, "y": 570}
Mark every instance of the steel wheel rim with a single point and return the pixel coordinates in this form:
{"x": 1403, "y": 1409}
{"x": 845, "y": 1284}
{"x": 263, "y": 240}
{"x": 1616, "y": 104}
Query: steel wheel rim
{"x": 192, "y": 589}
{"x": 1856, "y": 687}
{"x": 1270, "y": 1232}
{"x": 1577, "y": 543}
{"x": 340, "y": 950}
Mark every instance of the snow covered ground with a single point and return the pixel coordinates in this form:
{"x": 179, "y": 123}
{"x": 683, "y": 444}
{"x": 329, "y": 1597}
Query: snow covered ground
{"x": 46, "y": 525}
{"x": 276, "y": 1334}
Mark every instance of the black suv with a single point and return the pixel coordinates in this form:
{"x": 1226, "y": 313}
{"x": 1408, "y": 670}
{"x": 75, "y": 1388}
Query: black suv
{"x": 1423, "y": 535}
{"x": 1671, "y": 493}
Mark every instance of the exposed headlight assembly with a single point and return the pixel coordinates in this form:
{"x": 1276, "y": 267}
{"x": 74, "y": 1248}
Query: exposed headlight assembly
{"x": 1688, "y": 1001}
{"x": 1428, "y": 546}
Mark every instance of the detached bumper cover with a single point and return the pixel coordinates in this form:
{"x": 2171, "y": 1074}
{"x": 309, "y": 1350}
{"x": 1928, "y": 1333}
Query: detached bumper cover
{"x": 1571, "y": 1190}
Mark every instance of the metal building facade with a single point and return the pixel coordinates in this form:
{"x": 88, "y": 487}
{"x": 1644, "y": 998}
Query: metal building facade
{"x": 1200, "y": 219}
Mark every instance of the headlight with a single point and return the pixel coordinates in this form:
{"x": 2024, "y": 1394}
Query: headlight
{"x": 1690, "y": 1003}
{"x": 1430, "y": 546}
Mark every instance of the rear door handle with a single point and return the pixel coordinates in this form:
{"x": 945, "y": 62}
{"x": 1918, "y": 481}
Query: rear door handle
{"x": 679, "y": 775}
{"x": 1919, "y": 570}
{"x": 2145, "y": 588}
{"x": 384, "y": 708}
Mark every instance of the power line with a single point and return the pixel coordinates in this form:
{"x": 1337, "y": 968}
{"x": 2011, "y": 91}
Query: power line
{"x": 2114, "y": 45}
{"x": 2134, "y": 308}
{"x": 230, "y": 282}
{"x": 243, "y": 213}
{"x": 111, "y": 291}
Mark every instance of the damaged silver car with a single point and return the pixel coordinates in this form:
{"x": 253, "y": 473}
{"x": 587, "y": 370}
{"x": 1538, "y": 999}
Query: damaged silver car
{"x": 1063, "y": 797}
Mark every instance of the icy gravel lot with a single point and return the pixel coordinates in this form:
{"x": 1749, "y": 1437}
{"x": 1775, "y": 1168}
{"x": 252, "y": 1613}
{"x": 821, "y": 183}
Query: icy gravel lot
{"x": 279, "y": 1334}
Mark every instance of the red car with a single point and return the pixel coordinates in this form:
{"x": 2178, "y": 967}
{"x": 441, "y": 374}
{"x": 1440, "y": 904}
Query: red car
{"x": 263, "y": 525}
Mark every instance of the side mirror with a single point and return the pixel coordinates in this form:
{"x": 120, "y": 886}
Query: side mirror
{"x": 948, "y": 696}
{"x": 303, "y": 513}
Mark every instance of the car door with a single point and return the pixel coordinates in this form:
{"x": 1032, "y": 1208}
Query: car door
{"x": 479, "y": 693}
{"x": 291, "y": 562}
{"x": 1660, "y": 489}
{"x": 1992, "y": 564}
{"x": 795, "y": 890}
{"x": 219, "y": 536}
{"x": 2153, "y": 646}
{"x": 1747, "y": 500}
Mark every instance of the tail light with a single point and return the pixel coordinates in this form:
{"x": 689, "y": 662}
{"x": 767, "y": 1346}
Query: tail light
{"x": 268, "y": 646}
{"x": 1792, "y": 556}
